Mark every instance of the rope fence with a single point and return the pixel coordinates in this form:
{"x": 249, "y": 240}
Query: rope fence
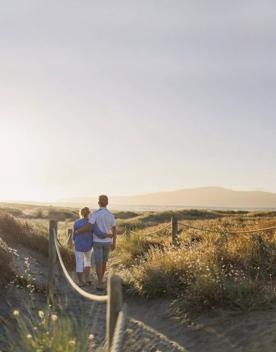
{"x": 228, "y": 232}
{"x": 175, "y": 223}
{"x": 69, "y": 241}
{"x": 153, "y": 232}
{"x": 75, "y": 287}
{"x": 59, "y": 243}
{"x": 116, "y": 312}
{"x": 118, "y": 340}
{"x": 241, "y": 216}
{"x": 198, "y": 228}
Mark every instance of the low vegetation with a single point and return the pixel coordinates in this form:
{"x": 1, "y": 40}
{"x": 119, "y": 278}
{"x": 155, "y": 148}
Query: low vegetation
{"x": 15, "y": 231}
{"x": 26, "y": 211}
{"x": 6, "y": 273}
{"x": 47, "y": 331}
{"x": 205, "y": 270}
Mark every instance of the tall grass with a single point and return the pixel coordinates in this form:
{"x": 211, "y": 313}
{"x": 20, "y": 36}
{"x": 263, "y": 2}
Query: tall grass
{"x": 6, "y": 273}
{"x": 206, "y": 270}
{"x": 14, "y": 232}
{"x": 134, "y": 247}
{"x": 47, "y": 331}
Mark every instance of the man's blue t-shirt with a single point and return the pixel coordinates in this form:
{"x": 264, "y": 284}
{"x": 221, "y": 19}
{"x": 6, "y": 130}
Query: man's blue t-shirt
{"x": 83, "y": 241}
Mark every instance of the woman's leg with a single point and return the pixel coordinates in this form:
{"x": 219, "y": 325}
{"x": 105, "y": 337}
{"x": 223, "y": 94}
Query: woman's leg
{"x": 87, "y": 265}
{"x": 79, "y": 267}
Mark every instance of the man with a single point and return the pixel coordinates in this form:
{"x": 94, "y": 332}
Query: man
{"x": 105, "y": 221}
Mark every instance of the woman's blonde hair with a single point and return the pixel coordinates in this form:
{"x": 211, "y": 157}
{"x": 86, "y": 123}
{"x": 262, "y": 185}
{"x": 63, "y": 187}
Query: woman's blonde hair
{"x": 84, "y": 212}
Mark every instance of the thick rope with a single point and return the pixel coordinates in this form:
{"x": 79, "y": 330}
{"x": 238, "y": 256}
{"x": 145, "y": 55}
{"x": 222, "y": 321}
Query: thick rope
{"x": 83, "y": 293}
{"x": 199, "y": 229}
{"x": 154, "y": 232}
{"x": 225, "y": 214}
{"x": 241, "y": 216}
{"x": 264, "y": 229}
{"x": 60, "y": 244}
{"x": 118, "y": 337}
{"x": 229, "y": 232}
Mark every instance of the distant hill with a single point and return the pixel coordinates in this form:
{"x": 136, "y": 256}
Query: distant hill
{"x": 213, "y": 197}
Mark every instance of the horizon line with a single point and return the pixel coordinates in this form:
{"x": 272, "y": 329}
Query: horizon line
{"x": 75, "y": 198}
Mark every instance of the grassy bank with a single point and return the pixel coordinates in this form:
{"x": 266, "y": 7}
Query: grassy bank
{"x": 205, "y": 270}
{"x": 15, "y": 232}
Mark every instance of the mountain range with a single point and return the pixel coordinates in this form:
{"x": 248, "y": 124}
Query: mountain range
{"x": 203, "y": 197}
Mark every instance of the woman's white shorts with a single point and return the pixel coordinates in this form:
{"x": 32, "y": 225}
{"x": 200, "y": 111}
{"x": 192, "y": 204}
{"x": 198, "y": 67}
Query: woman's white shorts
{"x": 82, "y": 259}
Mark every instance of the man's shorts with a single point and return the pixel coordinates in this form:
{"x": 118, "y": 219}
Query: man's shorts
{"x": 101, "y": 252}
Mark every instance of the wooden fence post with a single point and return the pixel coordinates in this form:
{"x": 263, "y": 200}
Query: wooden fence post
{"x": 114, "y": 306}
{"x": 174, "y": 230}
{"x": 52, "y": 261}
{"x": 69, "y": 238}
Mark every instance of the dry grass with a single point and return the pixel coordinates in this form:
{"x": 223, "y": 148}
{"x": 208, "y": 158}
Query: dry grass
{"x": 6, "y": 272}
{"x": 14, "y": 232}
{"x": 26, "y": 211}
{"x": 46, "y": 330}
{"x": 206, "y": 270}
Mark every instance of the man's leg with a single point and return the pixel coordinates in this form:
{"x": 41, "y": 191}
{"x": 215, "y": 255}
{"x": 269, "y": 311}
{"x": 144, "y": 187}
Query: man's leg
{"x": 99, "y": 271}
{"x": 106, "y": 250}
{"x": 98, "y": 253}
{"x": 103, "y": 268}
{"x": 86, "y": 273}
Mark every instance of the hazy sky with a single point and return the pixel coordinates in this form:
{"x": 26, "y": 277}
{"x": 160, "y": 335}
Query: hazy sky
{"x": 127, "y": 97}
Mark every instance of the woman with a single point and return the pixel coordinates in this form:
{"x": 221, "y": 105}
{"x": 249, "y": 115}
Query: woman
{"x": 83, "y": 247}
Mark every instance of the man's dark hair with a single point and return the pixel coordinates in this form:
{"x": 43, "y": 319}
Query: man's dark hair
{"x": 103, "y": 200}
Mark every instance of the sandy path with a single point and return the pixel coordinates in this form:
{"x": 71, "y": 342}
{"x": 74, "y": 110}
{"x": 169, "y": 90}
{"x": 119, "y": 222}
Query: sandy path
{"x": 139, "y": 337}
{"x": 216, "y": 331}
{"x": 151, "y": 328}
{"x": 155, "y": 314}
